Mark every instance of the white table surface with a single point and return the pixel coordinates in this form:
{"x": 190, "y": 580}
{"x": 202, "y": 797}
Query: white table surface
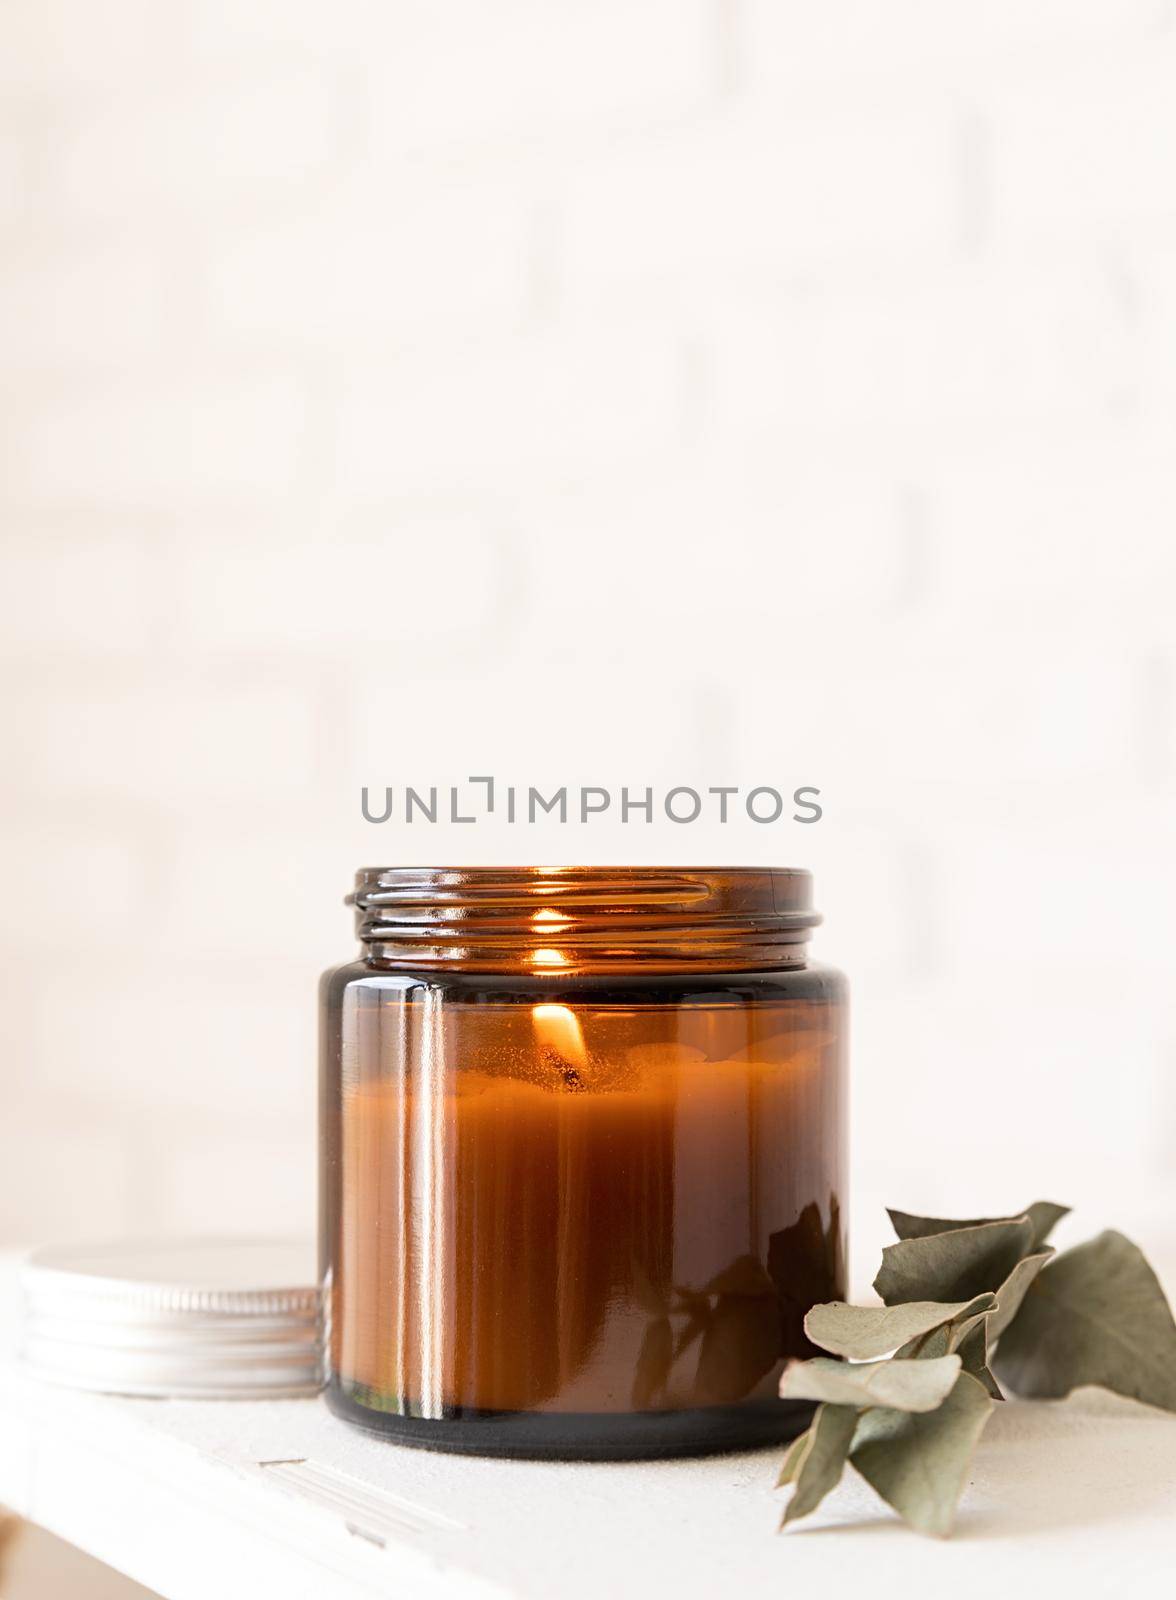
{"x": 181, "y": 1497}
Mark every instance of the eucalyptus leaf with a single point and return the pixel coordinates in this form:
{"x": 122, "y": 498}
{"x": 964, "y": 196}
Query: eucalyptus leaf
{"x": 1094, "y": 1314}
{"x": 918, "y": 1462}
{"x": 903, "y": 1385}
{"x": 954, "y": 1293}
{"x": 972, "y": 1348}
{"x": 953, "y": 1265}
{"x": 976, "y": 1326}
{"x": 862, "y": 1333}
{"x": 981, "y": 1309}
{"x": 1012, "y": 1291}
{"x": 1043, "y": 1214}
{"x": 821, "y": 1462}
{"x": 937, "y": 1341}
{"x": 967, "y": 1336}
{"x": 793, "y": 1456}
{"x": 948, "y": 1336}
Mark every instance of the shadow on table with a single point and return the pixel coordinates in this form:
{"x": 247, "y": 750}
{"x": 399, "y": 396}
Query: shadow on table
{"x": 1046, "y": 1466}
{"x": 1041, "y": 1467}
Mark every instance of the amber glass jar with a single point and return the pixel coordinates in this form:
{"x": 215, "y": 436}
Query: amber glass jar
{"x": 583, "y": 1157}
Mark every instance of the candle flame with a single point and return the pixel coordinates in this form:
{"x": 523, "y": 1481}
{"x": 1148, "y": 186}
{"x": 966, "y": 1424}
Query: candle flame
{"x": 558, "y": 1029}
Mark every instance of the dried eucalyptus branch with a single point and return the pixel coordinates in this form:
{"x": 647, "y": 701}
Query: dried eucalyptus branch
{"x": 914, "y": 1385}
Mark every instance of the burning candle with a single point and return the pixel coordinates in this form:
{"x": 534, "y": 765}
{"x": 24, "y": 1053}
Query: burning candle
{"x": 581, "y": 1217}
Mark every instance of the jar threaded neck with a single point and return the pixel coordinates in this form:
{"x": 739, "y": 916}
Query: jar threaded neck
{"x": 584, "y": 919}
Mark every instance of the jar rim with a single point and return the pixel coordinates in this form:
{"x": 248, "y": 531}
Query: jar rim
{"x": 565, "y": 919}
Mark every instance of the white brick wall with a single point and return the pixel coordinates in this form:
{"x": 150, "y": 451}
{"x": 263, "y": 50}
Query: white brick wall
{"x": 455, "y": 73}
{"x": 771, "y": 191}
{"x": 222, "y": 142}
{"x": 543, "y": 406}
{"x": 1091, "y": 149}
{"x": 82, "y": 301}
{"x": 139, "y": 439}
{"x": 13, "y": 175}
{"x": 737, "y": 391}
{"x": 793, "y": 44}
{"x": 399, "y": 255}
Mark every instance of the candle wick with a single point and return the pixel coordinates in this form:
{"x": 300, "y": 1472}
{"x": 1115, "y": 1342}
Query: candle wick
{"x": 570, "y": 1074}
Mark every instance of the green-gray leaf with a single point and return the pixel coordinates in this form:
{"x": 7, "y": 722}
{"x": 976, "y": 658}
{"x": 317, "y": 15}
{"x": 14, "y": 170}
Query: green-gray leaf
{"x": 1012, "y": 1292}
{"x": 793, "y": 1456}
{"x": 918, "y": 1462}
{"x": 1095, "y": 1314}
{"x": 821, "y": 1462}
{"x": 954, "y": 1265}
{"x": 937, "y": 1341}
{"x": 1043, "y": 1214}
{"x": 967, "y": 1335}
{"x": 862, "y": 1333}
{"x": 903, "y": 1385}
{"x": 978, "y": 1310}
{"x": 972, "y": 1349}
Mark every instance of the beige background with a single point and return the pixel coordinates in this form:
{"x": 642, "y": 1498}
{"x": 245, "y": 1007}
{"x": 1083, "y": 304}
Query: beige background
{"x": 650, "y": 392}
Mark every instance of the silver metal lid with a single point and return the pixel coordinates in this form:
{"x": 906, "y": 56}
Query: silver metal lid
{"x": 198, "y": 1318}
